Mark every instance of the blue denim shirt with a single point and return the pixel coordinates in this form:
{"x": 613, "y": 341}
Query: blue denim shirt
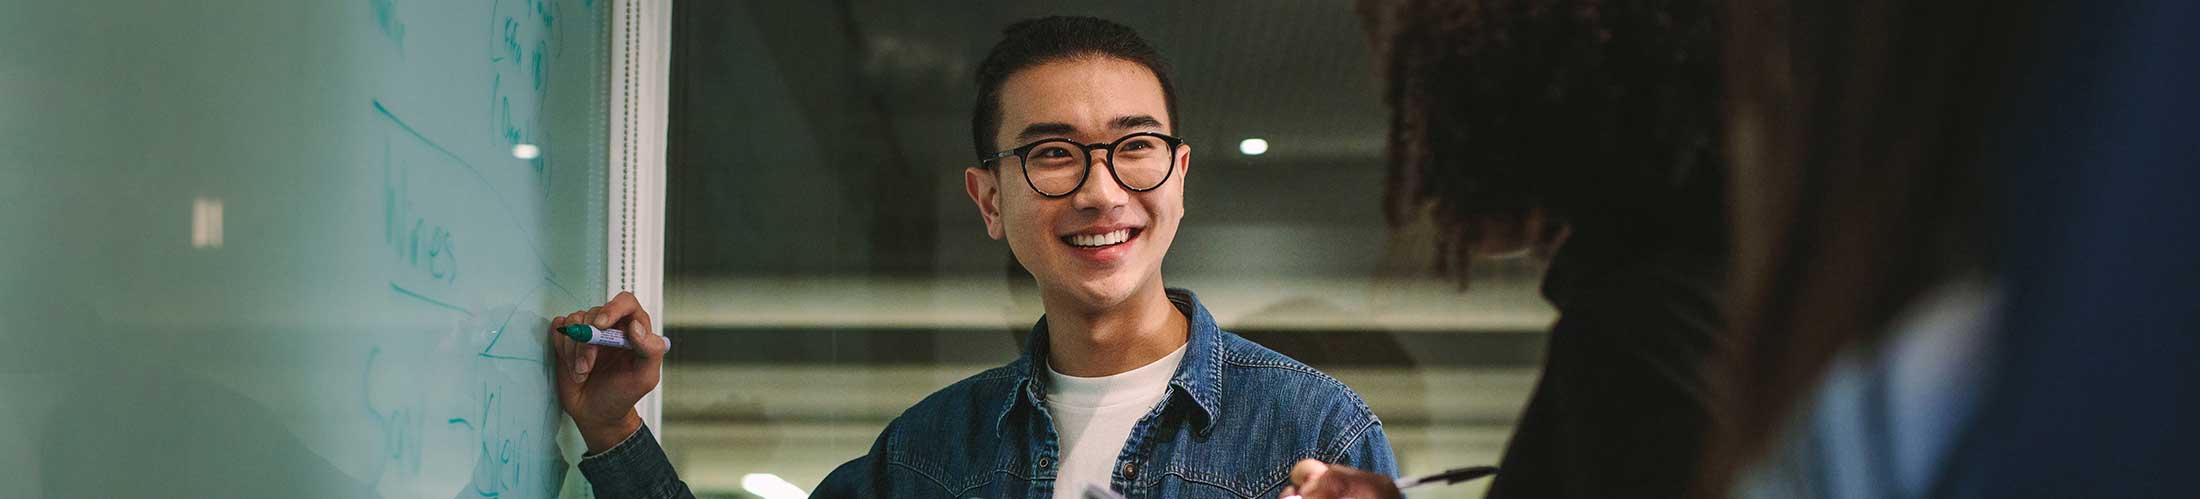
{"x": 1236, "y": 416}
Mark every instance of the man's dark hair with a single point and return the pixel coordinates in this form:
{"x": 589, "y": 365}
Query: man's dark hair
{"x": 1578, "y": 109}
{"x": 1033, "y": 42}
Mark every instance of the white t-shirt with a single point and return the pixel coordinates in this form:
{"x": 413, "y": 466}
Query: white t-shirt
{"x": 1093, "y": 417}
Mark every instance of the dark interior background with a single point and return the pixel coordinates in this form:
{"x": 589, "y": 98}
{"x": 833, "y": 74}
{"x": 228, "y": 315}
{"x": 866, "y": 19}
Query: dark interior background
{"x": 829, "y": 137}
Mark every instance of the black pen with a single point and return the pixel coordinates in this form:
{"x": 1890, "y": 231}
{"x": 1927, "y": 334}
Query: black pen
{"x": 1447, "y": 477}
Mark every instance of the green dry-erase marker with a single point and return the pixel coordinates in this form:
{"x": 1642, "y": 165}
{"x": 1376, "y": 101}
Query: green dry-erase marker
{"x": 589, "y": 334}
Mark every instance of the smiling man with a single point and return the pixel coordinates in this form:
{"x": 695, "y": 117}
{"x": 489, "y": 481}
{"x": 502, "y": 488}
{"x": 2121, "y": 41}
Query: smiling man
{"x": 1126, "y": 384}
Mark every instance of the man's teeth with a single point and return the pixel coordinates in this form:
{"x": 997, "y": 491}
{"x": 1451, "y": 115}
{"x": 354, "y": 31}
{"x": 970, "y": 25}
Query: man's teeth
{"x": 1096, "y": 240}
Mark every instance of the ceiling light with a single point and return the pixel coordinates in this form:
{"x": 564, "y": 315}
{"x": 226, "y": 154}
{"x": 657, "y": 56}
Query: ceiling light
{"x": 1253, "y": 147}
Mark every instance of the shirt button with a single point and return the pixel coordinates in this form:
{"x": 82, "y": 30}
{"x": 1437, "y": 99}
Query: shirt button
{"x": 1130, "y": 470}
{"x": 1044, "y": 462}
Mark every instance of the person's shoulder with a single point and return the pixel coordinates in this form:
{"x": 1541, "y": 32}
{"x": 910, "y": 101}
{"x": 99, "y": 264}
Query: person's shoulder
{"x": 939, "y": 444}
{"x": 1669, "y": 300}
{"x": 986, "y": 391}
{"x": 1266, "y": 377}
{"x": 1243, "y": 353}
{"x": 962, "y": 414}
{"x": 1294, "y": 410}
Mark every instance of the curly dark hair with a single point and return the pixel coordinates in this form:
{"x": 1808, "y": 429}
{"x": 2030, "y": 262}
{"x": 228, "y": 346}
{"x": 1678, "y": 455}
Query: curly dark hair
{"x": 1512, "y": 119}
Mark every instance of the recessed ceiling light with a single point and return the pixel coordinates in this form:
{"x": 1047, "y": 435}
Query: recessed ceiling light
{"x": 1253, "y": 147}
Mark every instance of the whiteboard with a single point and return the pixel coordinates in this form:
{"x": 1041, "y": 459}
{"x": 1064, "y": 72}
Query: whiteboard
{"x": 296, "y": 248}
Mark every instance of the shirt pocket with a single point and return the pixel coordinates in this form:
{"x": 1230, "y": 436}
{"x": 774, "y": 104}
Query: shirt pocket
{"x": 1202, "y": 482}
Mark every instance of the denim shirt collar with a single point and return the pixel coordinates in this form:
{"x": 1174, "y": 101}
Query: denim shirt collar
{"x": 1198, "y": 377}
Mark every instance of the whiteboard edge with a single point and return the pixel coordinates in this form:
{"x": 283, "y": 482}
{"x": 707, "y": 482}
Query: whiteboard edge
{"x": 641, "y": 60}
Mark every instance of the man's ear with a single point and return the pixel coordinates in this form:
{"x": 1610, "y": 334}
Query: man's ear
{"x": 1183, "y": 160}
{"x": 984, "y": 186}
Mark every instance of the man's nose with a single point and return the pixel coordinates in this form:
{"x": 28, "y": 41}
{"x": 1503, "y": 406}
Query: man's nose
{"x": 1100, "y": 192}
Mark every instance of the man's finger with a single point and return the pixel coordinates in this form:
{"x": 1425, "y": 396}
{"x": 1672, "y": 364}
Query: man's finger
{"x": 622, "y": 306}
{"x": 562, "y": 349}
{"x": 639, "y": 319}
{"x": 1307, "y": 471}
{"x": 647, "y": 346}
{"x": 647, "y": 343}
{"x": 560, "y": 345}
{"x": 1319, "y": 480}
{"x": 584, "y": 359}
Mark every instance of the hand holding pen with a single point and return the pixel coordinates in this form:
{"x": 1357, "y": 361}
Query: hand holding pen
{"x": 1313, "y": 479}
{"x": 608, "y": 358}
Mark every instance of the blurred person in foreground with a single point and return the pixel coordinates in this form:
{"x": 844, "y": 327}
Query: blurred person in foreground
{"x": 1948, "y": 280}
{"x": 1588, "y": 132}
{"x": 1866, "y": 283}
{"x": 1964, "y": 255}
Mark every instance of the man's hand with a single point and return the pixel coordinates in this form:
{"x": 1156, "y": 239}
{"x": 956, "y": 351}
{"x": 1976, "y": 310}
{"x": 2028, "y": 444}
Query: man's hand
{"x": 599, "y": 386}
{"x": 1312, "y": 479}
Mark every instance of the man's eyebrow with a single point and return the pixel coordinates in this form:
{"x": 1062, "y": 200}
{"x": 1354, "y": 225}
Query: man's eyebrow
{"x": 1047, "y": 129}
{"x": 1059, "y": 129}
{"x": 1136, "y": 121}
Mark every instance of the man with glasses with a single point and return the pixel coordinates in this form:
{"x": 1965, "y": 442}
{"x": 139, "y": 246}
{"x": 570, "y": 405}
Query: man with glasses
{"x": 1126, "y": 385}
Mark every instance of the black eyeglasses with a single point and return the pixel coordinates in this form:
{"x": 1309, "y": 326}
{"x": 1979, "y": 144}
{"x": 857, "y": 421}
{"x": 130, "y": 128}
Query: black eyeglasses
{"x": 1056, "y": 167}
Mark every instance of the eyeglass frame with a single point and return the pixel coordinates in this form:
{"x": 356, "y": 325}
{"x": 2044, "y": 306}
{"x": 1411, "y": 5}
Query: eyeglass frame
{"x": 1023, "y": 163}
